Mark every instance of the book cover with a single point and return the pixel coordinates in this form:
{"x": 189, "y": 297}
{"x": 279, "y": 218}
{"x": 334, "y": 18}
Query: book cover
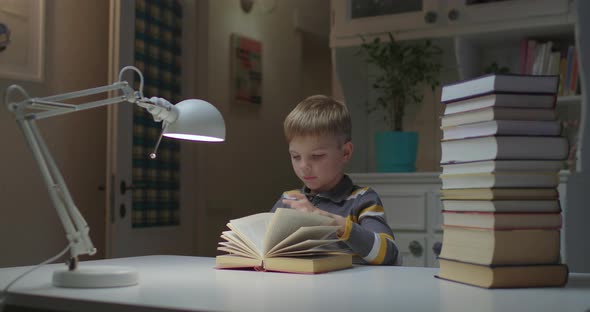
{"x": 508, "y": 276}
{"x": 497, "y": 113}
{"x": 514, "y": 205}
{"x": 500, "y": 194}
{"x": 504, "y": 147}
{"x": 286, "y": 240}
{"x": 502, "y": 220}
{"x": 497, "y": 99}
{"x": 302, "y": 265}
{"x": 541, "y": 84}
{"x": 500, "y": 179}
{"x": 503, "y": 127}
{"x": 489, "y": 166}
{"x": 501, "y": 247}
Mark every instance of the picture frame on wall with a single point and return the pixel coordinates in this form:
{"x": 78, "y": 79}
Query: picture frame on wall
{"x": 22, "y": 56}
{"x": 246, "y": 70}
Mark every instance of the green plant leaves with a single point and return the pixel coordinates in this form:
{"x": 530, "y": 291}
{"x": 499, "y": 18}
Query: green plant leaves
{"x": 404, "y": 69}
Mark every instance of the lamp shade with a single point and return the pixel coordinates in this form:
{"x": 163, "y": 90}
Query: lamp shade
{"x": 197, "y": 121}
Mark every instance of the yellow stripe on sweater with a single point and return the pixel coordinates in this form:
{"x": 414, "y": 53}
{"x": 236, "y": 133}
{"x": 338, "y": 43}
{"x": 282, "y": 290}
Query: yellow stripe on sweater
{"x": 382, "y": 248}
{"x": 347, "y": 229}
{"x": 371, "y": 209}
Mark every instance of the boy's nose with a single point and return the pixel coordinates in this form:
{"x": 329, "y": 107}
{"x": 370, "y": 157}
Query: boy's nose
{"x": 304, "y": 165}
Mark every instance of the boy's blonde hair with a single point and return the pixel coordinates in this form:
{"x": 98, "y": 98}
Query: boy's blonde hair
{"x": 319, "y": 115}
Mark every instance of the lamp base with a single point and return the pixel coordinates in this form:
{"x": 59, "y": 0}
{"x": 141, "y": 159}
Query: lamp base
{"x": 96, "y": 277}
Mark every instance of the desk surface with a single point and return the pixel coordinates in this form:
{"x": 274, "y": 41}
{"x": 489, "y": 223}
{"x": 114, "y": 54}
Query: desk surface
{"x": 176, "y": 283}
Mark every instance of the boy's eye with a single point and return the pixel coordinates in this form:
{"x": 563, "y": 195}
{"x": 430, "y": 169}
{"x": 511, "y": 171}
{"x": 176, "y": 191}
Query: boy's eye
{"x": 316, "y": 156}
{"x": 295, "y": 157}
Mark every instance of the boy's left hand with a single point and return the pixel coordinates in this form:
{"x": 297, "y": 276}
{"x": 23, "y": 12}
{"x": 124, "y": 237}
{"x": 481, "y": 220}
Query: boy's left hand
{"x": 300, "y": 202}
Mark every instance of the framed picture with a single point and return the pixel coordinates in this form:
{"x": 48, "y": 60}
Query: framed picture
{"x": 246, "y": 73}
{"x": 22, "y": 39}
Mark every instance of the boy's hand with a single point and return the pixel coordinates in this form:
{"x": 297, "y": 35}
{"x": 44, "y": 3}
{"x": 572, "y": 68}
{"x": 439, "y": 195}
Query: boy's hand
{"x": 300, "y": 202}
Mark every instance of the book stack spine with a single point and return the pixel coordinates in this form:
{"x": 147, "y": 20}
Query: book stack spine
{"x": 499, "y": 192}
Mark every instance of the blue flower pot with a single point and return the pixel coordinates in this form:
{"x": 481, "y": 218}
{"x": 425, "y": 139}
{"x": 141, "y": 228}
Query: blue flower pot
{"x": 395, "y": 151}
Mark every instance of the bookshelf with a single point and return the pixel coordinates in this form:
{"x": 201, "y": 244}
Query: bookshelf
{"x": 473, "y": 37}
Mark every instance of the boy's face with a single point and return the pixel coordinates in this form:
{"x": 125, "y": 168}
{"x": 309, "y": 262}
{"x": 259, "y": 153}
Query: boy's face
{"x": 319, "y": 161}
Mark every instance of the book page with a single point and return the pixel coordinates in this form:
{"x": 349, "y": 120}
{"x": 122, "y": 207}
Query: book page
{"x": 236, "y": 252}
{"x": 251, "y": 229}
{"x": 321, "y": 250}
{"x": 286, "y": 221}
{"x": 234, "y": 248}
{"x": 234, "y": 239}
{"x": 310, "y": 245}
{"x": 305, "y": 233}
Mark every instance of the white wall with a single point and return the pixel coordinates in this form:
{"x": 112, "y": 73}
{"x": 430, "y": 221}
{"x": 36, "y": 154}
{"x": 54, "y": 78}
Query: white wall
{"x": 248, "y": 172}
{"x": 76, "y": 35}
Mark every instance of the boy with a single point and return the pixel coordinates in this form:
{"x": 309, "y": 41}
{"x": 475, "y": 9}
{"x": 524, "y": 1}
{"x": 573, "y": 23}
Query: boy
{"x": 318, "y": 131}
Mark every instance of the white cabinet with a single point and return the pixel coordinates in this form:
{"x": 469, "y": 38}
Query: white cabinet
{"x": 412, "y": 208}
{"x": 433, "y": 18}
{"x": 461, "y": 12}
{"x": 353, "y": 17}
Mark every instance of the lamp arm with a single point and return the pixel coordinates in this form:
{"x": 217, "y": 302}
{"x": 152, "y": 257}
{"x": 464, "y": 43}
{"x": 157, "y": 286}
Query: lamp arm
{"x": 74, "y": 224}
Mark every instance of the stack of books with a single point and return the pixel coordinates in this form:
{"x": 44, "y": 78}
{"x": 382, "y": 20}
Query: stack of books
{"x": 501, "y": 156}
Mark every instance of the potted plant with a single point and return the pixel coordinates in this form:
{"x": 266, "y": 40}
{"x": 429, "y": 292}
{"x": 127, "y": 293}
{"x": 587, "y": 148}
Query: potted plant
{"x": 405, "y": 68}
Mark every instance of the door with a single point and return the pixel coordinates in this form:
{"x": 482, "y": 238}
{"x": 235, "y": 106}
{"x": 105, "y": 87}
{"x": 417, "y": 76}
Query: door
{"x": 123, "y": 239}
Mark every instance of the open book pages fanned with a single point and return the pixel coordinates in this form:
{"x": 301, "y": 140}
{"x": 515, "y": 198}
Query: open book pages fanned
{"x": 286, "y": 241}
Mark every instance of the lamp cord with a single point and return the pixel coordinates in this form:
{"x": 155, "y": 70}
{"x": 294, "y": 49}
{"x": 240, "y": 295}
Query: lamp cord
{"x": 3, "y": 294}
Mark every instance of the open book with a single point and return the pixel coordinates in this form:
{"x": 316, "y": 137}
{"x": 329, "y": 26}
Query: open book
{"x": 286, "y": 240}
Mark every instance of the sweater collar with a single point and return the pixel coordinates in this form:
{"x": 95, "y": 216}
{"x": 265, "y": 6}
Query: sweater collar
{"x": 337, "y": 194}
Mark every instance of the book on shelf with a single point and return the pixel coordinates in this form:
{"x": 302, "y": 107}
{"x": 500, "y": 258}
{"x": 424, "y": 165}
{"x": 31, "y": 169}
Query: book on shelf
{"x": 504, "y": 100}
{"x": 504, "y": 147}
{"x": 507, "y": 83}
{"x": 503, "y": 276}
{"x": 499, "y": 179}
{"x": 501, "y": 247}
{"x": 497, "y": 113}
{"x": 500, "y": 194}
{"x": 514, "y": 205}
{"x": 503, "y": 127}
{"x": 502, "y": 220}
{"x": 530, "y": 56}
{"x": 489, "y": 166}
{"x": 285, "y": 241}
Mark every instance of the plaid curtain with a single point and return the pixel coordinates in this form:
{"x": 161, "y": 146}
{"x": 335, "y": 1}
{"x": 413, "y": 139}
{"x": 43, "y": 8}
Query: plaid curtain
{"x": 158, "y": 55}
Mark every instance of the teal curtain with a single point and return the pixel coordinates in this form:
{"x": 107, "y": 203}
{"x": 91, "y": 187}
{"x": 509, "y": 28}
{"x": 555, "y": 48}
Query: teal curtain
{"x": 158, "y": 30}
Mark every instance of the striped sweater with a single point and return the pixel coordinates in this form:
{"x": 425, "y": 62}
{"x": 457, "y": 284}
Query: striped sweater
{"x": 366, "y": 233}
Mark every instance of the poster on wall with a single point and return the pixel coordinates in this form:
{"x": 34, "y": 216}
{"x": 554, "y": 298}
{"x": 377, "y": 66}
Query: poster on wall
{"x": 246, "y": 73}
{"x": 22, "y": 39}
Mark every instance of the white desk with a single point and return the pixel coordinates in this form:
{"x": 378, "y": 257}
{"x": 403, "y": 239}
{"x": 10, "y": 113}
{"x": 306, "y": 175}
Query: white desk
{"x": 174, "y": 283}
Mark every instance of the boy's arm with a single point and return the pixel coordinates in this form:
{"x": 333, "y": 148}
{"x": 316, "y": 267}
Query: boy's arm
{"x": 367, "y": 233}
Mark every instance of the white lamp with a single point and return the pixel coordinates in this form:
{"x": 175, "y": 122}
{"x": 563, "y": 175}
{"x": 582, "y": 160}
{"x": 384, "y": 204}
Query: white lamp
{"x": 189, "y": 119}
